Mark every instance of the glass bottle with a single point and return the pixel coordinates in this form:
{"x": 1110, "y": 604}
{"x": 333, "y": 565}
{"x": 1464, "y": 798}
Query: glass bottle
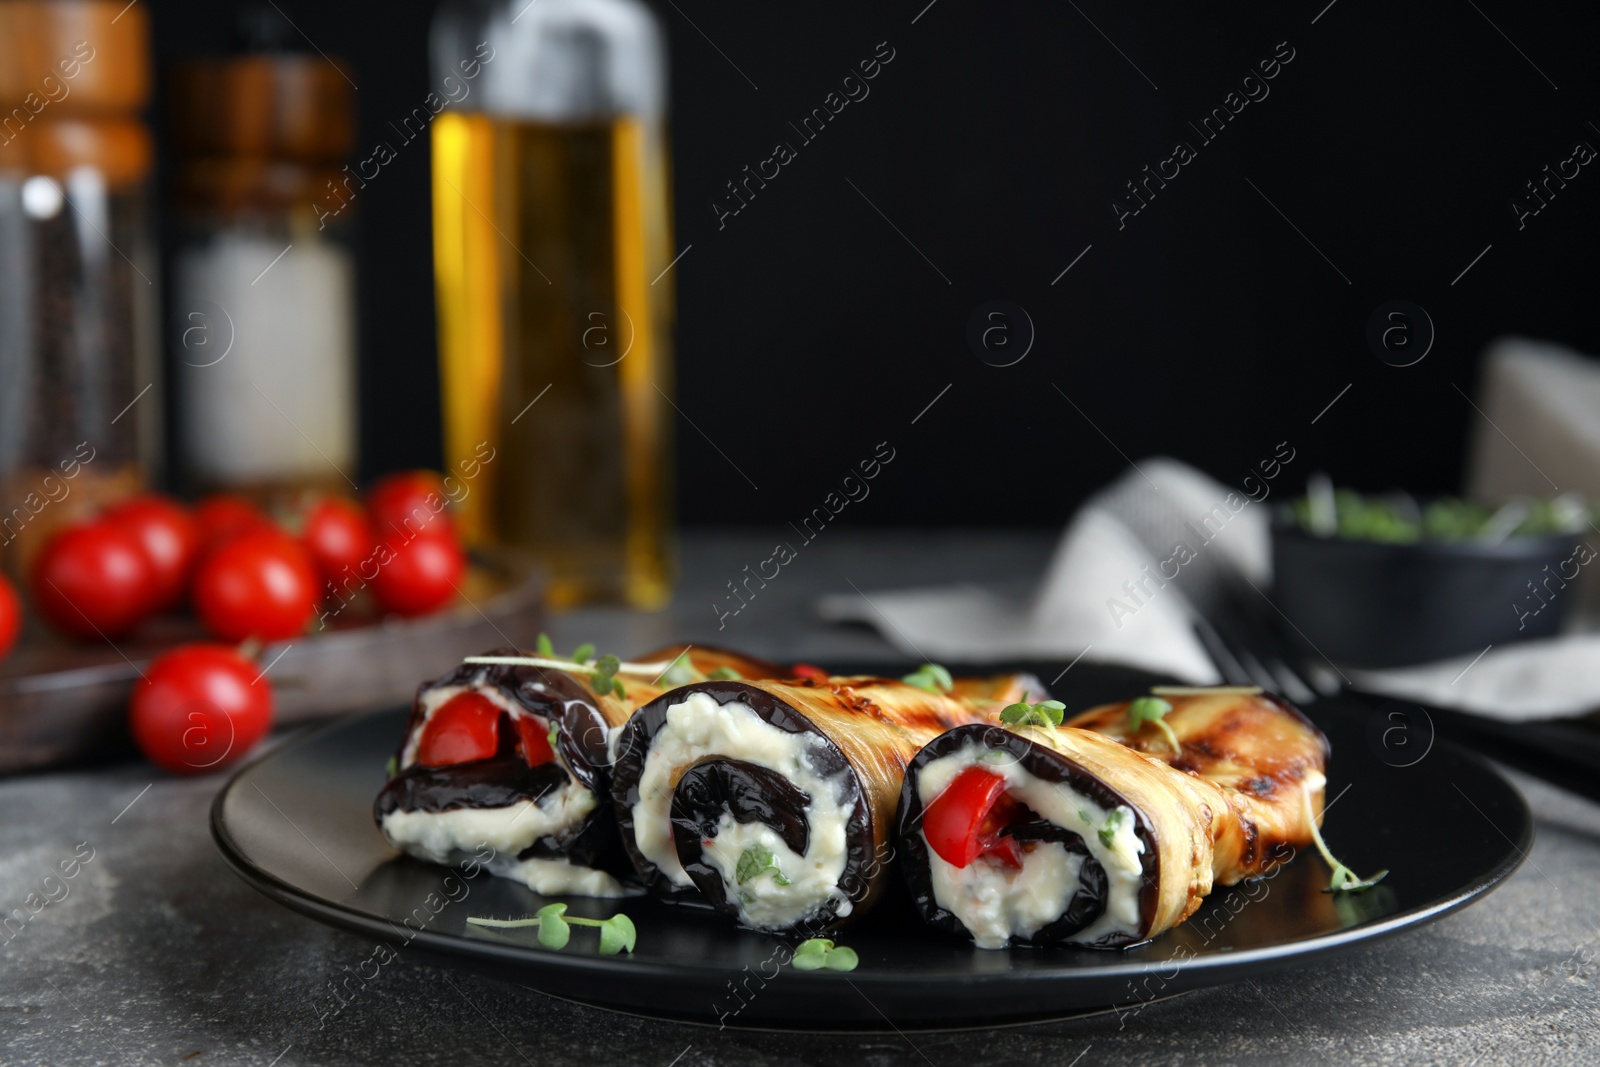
{"x": 262, "y": 338}
{"x": 551, "y": 243}
{"x": 80, "y": 401}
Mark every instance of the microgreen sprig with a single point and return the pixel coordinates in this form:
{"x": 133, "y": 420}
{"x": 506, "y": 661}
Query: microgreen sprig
{"x": 930, "y": 677}
{"x": 1344, "y": 880}
{"x": 1108, "y": 832}
{"x": 818, "y": 953}
{"x": 1046, "y": 713}
{"x": 617, "y": 934}
{"x": 753, "y": 862}
{"x": 725, "y": 673}
{"x": 1152, "y": 710}
{"x": 603, "y": 671}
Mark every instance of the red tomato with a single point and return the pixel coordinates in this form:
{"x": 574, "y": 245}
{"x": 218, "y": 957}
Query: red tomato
{"x": 199, "y": 707}
{"x": 169, "y": 537}
{"x": 10, "y": 616}
{"x": 953, "y": 822}
{"x": 467, "y": 728}
{"x": 815, "y": 675}
{"x": 339, "y": 538}
{"x": 410, "y": 503}
{"x": 260, "y": 584}
{"x": 464, "y": 729}
{"x": 418, "y": 576}
{"x": 92, "y": 580}
{"x": 223, "y": 515}
{"x": 533, "y": 741}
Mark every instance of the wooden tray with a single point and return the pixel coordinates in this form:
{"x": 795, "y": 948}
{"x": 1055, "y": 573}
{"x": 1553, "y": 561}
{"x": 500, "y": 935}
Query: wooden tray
{"x": 65, "y": 702}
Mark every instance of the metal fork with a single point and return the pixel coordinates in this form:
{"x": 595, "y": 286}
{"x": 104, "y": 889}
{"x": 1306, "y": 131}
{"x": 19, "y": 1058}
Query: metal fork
{"x": 1249, "y": 648}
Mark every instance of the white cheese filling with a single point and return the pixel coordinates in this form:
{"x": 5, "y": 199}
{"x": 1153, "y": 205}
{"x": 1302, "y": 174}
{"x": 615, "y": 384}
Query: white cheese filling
{"x": 456, "y": 836}
{"x": 700, "y": 727}
{"x": 996, "y": 903}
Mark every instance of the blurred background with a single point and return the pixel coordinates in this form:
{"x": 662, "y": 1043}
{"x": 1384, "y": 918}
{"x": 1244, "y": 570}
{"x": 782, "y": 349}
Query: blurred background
{"x": 557, "y": 279}
{"x": 809, "y": 329}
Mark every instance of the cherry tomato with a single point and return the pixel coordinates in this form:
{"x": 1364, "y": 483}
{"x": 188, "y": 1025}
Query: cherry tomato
{"x": 10, "y": 616}
{"x": 418, "y": 576}
{"x": 953, "y": 822}
{"x": 260, "y": 584}
{"x": 408, "y": 504}
{"x": 92, "y": 580}
{"x": 223, "y": 515}
{"x": 199, "y": 707}
{"x": 339, "y": 538}
{"x": 170, "y": 538}
{"x": 465, "y": 728}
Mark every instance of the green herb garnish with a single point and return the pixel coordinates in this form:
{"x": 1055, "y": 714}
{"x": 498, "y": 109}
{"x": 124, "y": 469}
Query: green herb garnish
{"x": 1108, "y": 832}
{"x": 680, "y": 671}
{"x": 617, "y": 934}
{"x": 754, "y": 862}
{"x": 931, "y": 678}
{"x": 551, "y": 737}
{"x": 583, "y": 653}
{"x": 393, "y": 766}
{"x": 818, "y": 953}
{"x": 1152, "y": 710}
{"x": 1344, "y": 880}
{"x": 725, "y": 674}
{"x": 544, "y": 647}
{"x": 1046, "y": 713}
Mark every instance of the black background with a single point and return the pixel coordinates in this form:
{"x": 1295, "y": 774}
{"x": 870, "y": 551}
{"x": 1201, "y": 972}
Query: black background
{"x": 995, "y": 141}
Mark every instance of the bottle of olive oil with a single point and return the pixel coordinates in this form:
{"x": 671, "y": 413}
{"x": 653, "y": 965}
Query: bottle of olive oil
{"x": 551, "y": 247}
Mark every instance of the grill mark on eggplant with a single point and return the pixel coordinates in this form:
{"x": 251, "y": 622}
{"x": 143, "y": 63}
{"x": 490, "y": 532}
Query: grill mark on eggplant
{"x": 1047, "y": 765}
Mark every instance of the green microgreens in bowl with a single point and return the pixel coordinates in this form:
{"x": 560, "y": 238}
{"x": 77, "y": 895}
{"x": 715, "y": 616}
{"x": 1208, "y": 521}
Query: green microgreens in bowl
{"x": 1046, "y": 713}
{"x": 819, "y": 953}
{"x": 931, "y": 677}
{"x": 1344, "y": 880}
{"x": 1152, "y": 710}
{"x": 617, "y": 934}
{"x": 753, "y": 862}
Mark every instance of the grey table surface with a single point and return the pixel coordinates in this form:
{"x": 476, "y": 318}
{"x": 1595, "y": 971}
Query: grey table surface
{"x": 157, "y": 953}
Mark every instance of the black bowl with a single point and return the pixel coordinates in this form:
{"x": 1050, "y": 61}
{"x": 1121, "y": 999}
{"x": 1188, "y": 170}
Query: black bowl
{"x": 1375, "y": 604}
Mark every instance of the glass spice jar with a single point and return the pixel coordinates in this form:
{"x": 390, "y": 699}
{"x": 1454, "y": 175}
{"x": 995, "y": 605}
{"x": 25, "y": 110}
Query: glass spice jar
{"x": 262, "y": 337}
{"x": 79, "y": 391}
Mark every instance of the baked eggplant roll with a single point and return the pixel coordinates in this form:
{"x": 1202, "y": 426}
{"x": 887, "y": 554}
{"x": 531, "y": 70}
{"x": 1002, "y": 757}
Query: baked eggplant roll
{"x": 1269, "y": 759}
{"x": 772, "y": 801}
{"x": 517, "y": 757}
{"x": 1034, "y": 834}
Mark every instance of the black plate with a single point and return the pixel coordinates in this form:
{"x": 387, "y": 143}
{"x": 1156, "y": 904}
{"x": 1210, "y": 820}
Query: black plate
{"x": 297, "y": 825}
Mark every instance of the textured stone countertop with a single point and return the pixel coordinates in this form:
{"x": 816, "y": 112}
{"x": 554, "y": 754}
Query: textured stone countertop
{"x": 159, "y": 954}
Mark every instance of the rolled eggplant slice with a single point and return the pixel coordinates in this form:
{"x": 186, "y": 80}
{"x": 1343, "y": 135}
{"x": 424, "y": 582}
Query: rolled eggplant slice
{"x": 771, "y": 801}
{"x": 518, "y": 757}
{"x": 1263, "y": 752}
{"x": 1100, "y": 834}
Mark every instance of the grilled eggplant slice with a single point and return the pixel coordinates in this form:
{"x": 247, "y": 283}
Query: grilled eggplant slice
{"x": 1097, "y": 835}
{"x": 773, "y": 801}
{"x": 517, "y": 757}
